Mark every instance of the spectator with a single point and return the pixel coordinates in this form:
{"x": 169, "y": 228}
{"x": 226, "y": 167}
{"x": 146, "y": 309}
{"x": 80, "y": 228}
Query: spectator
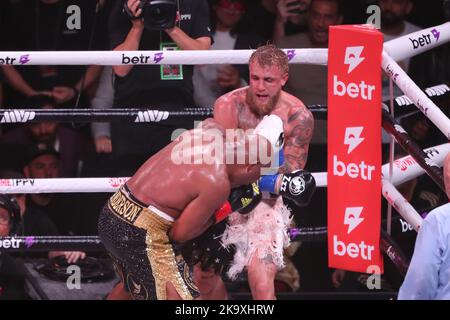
{"x": 43, "y": 162}
{"x": 149, "y": 85}
{"x": 309, "y": 82}
{"x": 394, "y": 25}
{"x": 432, "y": 67}
{"x": 290, "y": 11}
{"x": 428, "y": 276}
{"x": 422, "y": 131}
{"x": 262, "y": 20}
{"x": 34, "y": 222}
{"x": 67, "y": 142}
{"x": 12, "y": 278}
{"x": 103, "y": 98}
{"x": 211, "y": 81}
{"x": 54, "y": 25}
{"x": 393, "y": 19}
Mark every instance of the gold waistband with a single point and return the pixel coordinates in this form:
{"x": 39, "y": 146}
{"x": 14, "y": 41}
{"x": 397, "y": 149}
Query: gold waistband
{"x": 134, "y": 213}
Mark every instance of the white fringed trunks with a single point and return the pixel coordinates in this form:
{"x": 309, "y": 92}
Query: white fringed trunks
{"x": 262, "y": 232}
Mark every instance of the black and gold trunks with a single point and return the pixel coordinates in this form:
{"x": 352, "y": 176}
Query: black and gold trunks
{"x": 137, "y": 239}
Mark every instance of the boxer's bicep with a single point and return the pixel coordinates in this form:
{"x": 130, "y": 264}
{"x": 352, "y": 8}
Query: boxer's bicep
{"x": 197, "y": 216}
{"x": 298, "y": 136}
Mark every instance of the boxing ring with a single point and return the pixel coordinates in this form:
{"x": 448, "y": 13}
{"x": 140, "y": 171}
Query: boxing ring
{"x": 394, "y": 173}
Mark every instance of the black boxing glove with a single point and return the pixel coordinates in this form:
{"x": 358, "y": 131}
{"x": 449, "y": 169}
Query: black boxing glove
{"x": 245, "y": 198}
{"x": 242, "y": 199}
{"x": 298, "y": 186}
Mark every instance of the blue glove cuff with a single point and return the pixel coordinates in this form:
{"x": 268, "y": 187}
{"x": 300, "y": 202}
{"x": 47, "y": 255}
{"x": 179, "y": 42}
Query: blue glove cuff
{"x": 267, "y": 183}
{"x": 281, "y": 157}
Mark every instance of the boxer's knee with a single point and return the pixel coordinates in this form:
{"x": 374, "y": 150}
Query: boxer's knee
{"x": 261, "y": 277}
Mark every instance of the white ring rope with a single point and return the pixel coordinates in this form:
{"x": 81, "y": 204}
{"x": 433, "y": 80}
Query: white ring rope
{"x": 398, "y": 49}
{"x": 403, "y": 207}
{"x": 417, "y": 42}
{"x": 415, "y": 94}
{"x": 405, "y": 169}
{"x": 194, "y": 57}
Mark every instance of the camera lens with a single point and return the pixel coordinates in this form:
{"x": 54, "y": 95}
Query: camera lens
{"x": 157, "y": 13}
{"x": 160, "y": 14}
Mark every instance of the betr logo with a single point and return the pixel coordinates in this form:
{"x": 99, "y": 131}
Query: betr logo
{"x": 73, "y": 22}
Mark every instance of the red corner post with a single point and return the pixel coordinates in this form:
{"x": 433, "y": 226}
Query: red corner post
{"x": 354, "y": 148}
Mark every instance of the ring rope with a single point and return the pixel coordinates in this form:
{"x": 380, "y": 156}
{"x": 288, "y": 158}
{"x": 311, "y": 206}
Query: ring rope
{"x": 415, "y": 94}
{"x": 393, "y": 251}
{"x": 399, "y": 49}
{"x": 144, "y": 57}
{"x": 93, "y": 243}
{"x": 49, "y": 243}
{"x": 142, "y": 115}
{"x": 403, "y": 207}
{"x": 439, "y": 94}
{"x": 109, "y": 114}
{"x": 404, "y": 140}
{"x": 406, "y": 168}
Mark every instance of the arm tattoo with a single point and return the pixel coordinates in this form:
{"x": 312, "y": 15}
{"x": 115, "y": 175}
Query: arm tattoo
{"x": 301, "y": 126}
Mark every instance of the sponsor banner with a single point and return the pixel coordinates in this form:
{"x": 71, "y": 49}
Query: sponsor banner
{"x": 354, "y": 148}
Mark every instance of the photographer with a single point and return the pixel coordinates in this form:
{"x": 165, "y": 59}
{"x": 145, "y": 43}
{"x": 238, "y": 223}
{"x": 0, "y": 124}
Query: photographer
{"x": 290, "y": 13}
{"x": 142, "y": 25}
{"x": 12, "y": 278}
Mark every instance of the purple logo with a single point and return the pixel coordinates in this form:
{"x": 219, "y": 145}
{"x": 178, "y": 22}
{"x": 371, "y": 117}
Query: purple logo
{"x": 29, "y": 241}
{"x": 436, "y": 34}
{"x": 158, "y": 57}
{"x": 291, "y": 54}
{"x": 24, "y": 59}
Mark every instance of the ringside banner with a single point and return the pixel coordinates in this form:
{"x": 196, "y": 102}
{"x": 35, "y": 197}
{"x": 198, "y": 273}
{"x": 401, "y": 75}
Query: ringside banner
{"x": 354, "y": 148}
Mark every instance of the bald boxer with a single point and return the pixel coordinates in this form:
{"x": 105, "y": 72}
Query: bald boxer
{"x": 261, "y": 251}
{"x": 174, "y": 196}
